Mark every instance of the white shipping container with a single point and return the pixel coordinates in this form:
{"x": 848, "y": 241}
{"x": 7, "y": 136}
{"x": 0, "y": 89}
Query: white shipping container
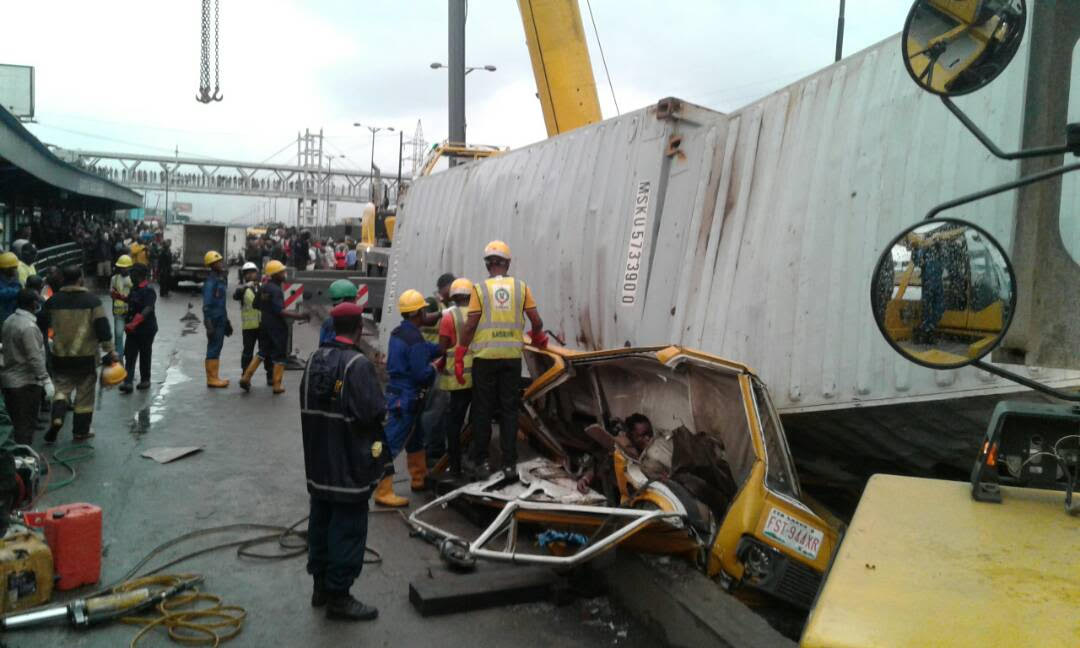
{"x": 759, "y": 231}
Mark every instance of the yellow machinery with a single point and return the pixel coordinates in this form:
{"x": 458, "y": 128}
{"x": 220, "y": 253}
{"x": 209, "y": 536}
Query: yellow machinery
{"x": 561, "y": 65}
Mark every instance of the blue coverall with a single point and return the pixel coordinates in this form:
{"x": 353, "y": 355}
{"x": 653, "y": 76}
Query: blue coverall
{"x": 408, "y": 361}
{"x": 326, "y": 332}
{"x": 9, "y": 290}
{"x": 214, "y": 314}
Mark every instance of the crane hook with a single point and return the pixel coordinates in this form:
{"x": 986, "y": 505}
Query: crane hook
{"x": 204, "y": 95}
{"x": 217, "y": 94}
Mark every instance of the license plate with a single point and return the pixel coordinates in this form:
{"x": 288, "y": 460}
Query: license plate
{"x": 793, "y": 534}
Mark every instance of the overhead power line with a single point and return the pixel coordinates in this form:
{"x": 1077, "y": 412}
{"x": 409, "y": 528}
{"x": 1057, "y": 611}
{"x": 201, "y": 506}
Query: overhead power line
{"x": 603, "y": 59}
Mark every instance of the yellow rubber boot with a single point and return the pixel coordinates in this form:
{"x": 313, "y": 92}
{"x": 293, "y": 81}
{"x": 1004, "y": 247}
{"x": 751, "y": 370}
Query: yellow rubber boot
{"x": 279, "y": 374}
{"x": 245, "y": 380}
{"x": 212, "y": 379}
{"x": 385, "y": 496}
{"x": 417, "y": 462}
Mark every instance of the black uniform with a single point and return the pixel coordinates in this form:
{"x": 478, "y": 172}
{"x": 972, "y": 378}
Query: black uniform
{"x": 140, "y": 342}
{"x": 345, "y": 455}
{"x": 273, "y": 331}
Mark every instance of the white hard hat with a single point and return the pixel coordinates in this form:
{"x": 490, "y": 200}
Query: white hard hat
{"x": 249, "y": 266}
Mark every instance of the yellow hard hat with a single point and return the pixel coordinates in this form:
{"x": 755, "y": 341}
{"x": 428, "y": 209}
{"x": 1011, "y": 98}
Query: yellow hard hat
{"x": 410, "y": 302}
{"x": 8, "y": 260}
{"x": 112, "y": 375}
{"x": 124, "y": 261}
{"x": 274, "y": 267}
{"x": 497, "y": 249}
{"x": 461, "y": 286}
{"x": 211, "y": 258}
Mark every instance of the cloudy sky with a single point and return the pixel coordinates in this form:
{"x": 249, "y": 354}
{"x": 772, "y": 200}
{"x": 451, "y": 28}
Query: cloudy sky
{"x": 121, "y": 75}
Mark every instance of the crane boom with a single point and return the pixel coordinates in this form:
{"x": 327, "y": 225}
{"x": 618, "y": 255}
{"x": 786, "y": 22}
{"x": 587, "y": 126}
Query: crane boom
{"x": 561, "y": 65}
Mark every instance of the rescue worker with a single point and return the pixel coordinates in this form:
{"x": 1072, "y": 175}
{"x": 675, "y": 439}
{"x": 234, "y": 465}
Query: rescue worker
{"x": 119, "y": 288}
{"x": 341, "y": 291}
{"x": 273, "y": 331}
{"x": 80, "y": 329}
{"x": 27, "y": 256}
{"x": 215, "y": 318}
{"x": 9, "y": 284}
{"x": 247, "y": 294}
{"x": 409, "y": 364}
{"x": 450, "y": 330}
{"x": 141, "y": 328}
{"x": 498, "y": 308}
{"x": 345, "y": 455}
{"x": 430, "y": 424}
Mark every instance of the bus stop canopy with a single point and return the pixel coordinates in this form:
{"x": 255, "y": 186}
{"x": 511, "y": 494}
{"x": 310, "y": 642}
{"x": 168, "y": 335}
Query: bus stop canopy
{"x": 31, "y": 175}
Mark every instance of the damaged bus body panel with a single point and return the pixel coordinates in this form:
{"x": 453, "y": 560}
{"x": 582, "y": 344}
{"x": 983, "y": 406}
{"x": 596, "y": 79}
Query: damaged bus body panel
{"x": 715, "y": 485}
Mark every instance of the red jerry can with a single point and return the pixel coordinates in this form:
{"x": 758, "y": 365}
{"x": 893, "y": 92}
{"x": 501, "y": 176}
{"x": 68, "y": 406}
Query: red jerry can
{"x": 73, "y": 532}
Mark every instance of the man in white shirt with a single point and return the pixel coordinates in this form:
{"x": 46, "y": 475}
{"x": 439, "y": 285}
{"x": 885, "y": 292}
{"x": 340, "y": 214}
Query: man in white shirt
{"x": 24, "y": 374}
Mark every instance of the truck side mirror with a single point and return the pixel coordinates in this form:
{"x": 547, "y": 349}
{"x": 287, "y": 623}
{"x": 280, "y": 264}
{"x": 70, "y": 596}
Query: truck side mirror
{"x": 943, "y": 293}
{"x": 953, "y": 47}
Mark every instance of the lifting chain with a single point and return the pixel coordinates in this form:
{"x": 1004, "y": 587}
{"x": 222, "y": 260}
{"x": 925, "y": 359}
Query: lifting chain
{"x": 205, "y": 95}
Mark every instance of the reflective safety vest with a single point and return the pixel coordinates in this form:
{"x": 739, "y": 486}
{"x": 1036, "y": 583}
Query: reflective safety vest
{"x": 447, "y": 380}
{"x": 499, "y": 333}
{"x": 122, "y": 285}
{"x": 431, "y": 333}
{"x": 249, "y": 314}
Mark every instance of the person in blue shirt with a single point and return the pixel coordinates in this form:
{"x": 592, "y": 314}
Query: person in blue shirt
{"x": 215, "y": 319}
{"x": 9, "y": 284}
{"x": 409, "y": 360}
{"x": 341, "y": 291}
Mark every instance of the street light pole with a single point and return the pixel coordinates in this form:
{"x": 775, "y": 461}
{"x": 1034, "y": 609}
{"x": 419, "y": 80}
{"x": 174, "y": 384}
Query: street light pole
{"x": 371, "y": 164}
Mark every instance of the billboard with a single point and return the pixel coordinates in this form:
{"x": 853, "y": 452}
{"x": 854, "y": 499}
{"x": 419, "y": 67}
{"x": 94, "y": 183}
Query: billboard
{"x": 17, "y": 90}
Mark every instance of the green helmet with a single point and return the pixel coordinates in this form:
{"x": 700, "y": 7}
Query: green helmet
{"x": 342, "y": 290}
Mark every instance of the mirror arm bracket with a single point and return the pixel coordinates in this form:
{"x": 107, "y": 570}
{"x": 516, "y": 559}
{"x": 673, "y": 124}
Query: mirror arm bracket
{"x": 993, "y": 148}
{"x": 1008, "y": 186}
{"x": 1072, "y": 397}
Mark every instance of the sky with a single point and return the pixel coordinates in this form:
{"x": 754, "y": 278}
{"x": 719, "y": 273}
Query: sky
{"x": 121, "y": 75}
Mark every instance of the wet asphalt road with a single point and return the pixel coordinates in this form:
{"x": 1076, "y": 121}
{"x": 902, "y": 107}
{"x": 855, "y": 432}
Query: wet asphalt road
{"x": 251, "y": 470}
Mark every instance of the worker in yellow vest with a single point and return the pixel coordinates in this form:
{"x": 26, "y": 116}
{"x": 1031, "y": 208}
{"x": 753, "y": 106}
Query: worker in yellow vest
{"x": 119, "y": 288}
{"x": 451, "y": 329}
{"x": 498, "y": 309}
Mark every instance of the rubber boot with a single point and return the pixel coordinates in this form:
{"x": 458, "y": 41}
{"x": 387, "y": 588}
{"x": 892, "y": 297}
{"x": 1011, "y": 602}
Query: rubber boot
{"x": 385, "y": 496}
{"x": 212, "y": 379}
{"x": 126, "y": 388}
{"x": 343, "y": 606}
{"x": 80, "y": 427}
{"x": 59, "y": 413}
{"x": 417, "y": 462}
{"x": 245, "y": 380}
{"x": 279, "y": 374}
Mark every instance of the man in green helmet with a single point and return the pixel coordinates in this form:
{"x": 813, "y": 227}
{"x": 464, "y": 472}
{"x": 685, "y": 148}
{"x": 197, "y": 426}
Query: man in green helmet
{"x": 341, "y": 291}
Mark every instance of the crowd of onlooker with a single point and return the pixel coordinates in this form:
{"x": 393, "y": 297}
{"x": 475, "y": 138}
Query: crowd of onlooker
{"x": 297, "y": 248}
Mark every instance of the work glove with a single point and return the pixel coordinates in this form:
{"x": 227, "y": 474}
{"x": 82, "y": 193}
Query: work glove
{"x": 134, "y": 323}
{"x": 228, "y": 328}
{"x": 459, "y": 364}
{"x": 539, "y": 339}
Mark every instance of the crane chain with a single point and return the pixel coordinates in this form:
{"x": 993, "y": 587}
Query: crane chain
{"x": 204, "y": 77}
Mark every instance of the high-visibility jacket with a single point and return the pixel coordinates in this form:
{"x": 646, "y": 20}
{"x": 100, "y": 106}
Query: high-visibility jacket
{"x": 122, "y": 285}
{"x": 502, "y": 318}
{"x": 249, "y": 314}
{"x": 431, "y": 333}
{"x": 26, "y": 270}
{"x": 447, "y": 380}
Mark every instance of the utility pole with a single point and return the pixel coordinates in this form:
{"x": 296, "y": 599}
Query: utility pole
{"x": 840, "y": 33}
{"x": 456, "y": 71}
{"x": 400, "y": 150}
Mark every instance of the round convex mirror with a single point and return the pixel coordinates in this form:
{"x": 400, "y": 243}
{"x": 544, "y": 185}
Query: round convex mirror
{"x": 943, "y": 293}
{"x": 953, "y": 47}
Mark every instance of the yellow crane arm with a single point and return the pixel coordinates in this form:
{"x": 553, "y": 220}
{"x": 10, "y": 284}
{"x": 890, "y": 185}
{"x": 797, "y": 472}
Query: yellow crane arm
{"x": 561, "y": 65}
